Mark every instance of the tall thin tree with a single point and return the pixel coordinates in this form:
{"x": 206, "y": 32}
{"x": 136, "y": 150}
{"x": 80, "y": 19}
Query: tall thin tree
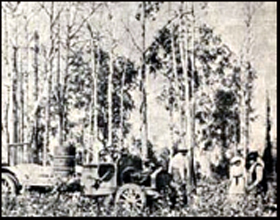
{"x": 247, "y": 75}
{"x": 35, "y": 93}
{"x": 15, "y": 95}
{"x": 110, "y": 83}
{"x": 143, "y": 84}
{"x": 7, "y": 72}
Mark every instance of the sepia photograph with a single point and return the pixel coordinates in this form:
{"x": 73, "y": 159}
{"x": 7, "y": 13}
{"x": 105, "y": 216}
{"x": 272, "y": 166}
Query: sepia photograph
{"x": 138, "y": 109}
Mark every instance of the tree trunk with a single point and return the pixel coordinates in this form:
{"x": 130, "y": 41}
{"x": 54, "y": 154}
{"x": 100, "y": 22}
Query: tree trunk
{"x": 15, "y": 95}
{"x": 46, "y": 78}
{"x": 189, "y": 100}
{"x": 65, "y": 80}
{"x": 109, "y": 95}
{"x": 183, "y": 46}
{"x": 59, "y": 85}
{"x": 26, "y": 98}
{"x": 246, "y": 74}
{"x": 15, "y": 103}
{"x": 174, "y": 78}
{"x": 93, "y": 97}
{"x": 144, "y": 127}
{"x": 49, "y": 82}
{"x": 246, "y": 95}
{"x": 22, "y": 109}
{"x": 96, "y": 106}
{"x": 35, "y": 95}
{"x": 193, "y": 98}
{"x": 20, "y": 97}
{"x": 171, "y": 105}
{"x": 122, "y": 104}
{"x": 7, "y": 71}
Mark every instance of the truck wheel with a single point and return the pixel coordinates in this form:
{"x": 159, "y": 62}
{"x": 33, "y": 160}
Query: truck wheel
{"x": 130, "y": 200}
{"x": 8, "y": 188}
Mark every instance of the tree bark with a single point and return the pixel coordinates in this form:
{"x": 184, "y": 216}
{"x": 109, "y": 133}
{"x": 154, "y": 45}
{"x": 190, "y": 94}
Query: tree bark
{"x": 96, "y": 105}
{"x": 7, "y": 71}
{"x": 174, "y": 78}
{"x": 65, "y": 78}
{"x": 184, "y": 43}
{"x": 35, "y": 94}
{"x": 49, "y": 82}
{"x": 59, "y": 85}
{"x": 193, "y": 97}
{"x": 15, "y": 102}
{"x": 26, "y": 97}
{"x": 246, "y": 60}
{"x": 93, "y": 101}
{"x": 144, "y": 127}
{"x": 22, "y": 109}
{"x": 109, "y": 95}
{"x": 122, "y": 104}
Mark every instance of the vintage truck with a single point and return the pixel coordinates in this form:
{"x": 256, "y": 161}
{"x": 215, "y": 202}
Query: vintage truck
{"x": 123, "y": 179}
{"x": 17, "y": 173}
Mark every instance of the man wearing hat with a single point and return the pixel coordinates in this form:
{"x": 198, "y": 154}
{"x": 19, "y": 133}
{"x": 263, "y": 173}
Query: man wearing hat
{"x": 179, "y": 169}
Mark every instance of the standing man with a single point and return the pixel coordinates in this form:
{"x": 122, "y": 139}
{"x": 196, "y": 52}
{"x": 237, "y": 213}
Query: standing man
{"x": 256, "y": 183}
{"x": 179, "y": 169}
{"x": 79, "y": 161}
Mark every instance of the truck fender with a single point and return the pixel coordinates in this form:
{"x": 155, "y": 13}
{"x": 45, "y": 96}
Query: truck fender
{"x": 13, "y": 174}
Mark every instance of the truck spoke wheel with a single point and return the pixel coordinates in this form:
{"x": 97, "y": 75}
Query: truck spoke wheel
{"x": 8, "y": 189}
{"x": 8, "y": 186}
{"x": 130, "y": 200}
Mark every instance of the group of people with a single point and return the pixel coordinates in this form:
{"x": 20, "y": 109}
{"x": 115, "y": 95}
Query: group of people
{"x": 246, "y": 175}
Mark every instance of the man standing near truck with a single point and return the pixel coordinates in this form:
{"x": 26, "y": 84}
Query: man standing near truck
{"x": 179, "y": 169}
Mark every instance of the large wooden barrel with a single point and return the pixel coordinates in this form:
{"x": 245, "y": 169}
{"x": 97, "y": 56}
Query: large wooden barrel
{"x": 64, "y": 161}
{"x": 63, "y": 165}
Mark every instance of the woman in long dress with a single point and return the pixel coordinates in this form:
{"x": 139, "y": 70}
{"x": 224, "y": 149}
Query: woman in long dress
{"x": 236, "y": 189}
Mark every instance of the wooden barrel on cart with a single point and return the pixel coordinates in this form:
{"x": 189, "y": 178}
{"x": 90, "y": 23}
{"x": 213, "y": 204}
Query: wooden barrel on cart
{"x": 62, "y": 165}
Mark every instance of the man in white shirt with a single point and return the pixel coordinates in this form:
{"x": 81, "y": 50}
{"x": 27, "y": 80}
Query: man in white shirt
{"x": 179, "y": 169}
